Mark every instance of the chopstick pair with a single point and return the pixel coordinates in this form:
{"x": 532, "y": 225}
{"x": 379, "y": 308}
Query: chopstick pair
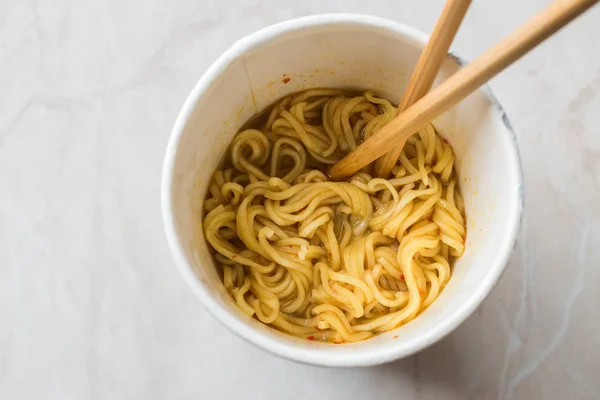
{"x": 411, "y": 117}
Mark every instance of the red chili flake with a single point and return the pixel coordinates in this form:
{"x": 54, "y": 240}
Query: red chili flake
{"x": 337, "y": 342}
{"x": 285, "y": 80}
{"x": 402, "y": 276}
{"x": 444, "y": 140}
{"x": 311, "y": 337}
{"x": 329, "y": 254}
{"x": 233, "y": 256}
{"x": 422, "y": 293}
{"x": 396, "y": 337}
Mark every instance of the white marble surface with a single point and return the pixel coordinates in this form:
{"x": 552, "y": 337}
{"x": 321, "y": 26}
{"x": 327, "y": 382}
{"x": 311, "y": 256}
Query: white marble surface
{"x": 91, "y": 306}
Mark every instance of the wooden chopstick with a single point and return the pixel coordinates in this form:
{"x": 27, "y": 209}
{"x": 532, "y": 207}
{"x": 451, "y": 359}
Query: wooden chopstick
{"x": 462, "y": 83}
{"x": 426, "y": 70}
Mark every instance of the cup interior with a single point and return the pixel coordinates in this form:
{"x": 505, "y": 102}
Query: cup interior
{"x": 359, "y": 53}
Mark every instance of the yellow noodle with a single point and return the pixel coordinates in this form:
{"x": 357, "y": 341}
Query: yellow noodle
{"x": 333, "y": 261}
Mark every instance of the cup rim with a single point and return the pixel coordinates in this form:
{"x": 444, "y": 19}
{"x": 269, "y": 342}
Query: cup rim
{"x": 397, "y": 349}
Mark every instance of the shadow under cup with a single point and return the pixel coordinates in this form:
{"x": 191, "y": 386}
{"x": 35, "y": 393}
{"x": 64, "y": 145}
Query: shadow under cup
{"x": 355, "y": 52}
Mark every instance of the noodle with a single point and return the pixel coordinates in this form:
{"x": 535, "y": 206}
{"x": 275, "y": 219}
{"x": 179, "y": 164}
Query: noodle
{"x": 333, "y": 261}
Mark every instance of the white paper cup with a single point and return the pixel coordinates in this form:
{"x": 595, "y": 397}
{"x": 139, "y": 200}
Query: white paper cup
{"x": 358, "y": 52}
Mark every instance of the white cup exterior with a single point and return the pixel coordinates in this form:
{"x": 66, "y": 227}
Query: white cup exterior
{"x": 358, "y": 52}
